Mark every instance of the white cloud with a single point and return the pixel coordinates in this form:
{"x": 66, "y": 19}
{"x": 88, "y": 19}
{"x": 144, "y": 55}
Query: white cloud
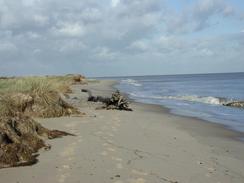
{"x": 69, "y": 29}
{"x": 139, "y": 45}
{"x": 171, "y": 43}
{"x": 114, "y": 3}
{"x": 36, "y": 51}
{"x": 40, "y": 19}
{"x": 91, "y": 15}
{"x": 30, "y": 2}
{"x": 206, "y": 52}
{"x": 228, "y": 10}
{"x": 7, "y": 46}
{"x": 104, "y": 53}
{"x": 33, "y": 35}
{"x": 70, "y": 46}
{"x": 198, "y": 17}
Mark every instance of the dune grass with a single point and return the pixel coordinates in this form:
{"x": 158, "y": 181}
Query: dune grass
{"x": 31, "y": 84}
{"x": 21, "y": 99}
{"x": 44, "y": 94}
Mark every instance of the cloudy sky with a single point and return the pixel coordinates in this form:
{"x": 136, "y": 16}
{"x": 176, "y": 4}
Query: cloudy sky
{"x": 121, "y": 37}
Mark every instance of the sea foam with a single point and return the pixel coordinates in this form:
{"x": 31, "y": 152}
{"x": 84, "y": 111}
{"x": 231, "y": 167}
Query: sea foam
{"x": 131, "y": 82}
{"x": 190, "y": 98}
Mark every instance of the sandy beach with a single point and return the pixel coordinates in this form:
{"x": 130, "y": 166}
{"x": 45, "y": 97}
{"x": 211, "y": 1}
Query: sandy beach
{"x": 147, "y": 145}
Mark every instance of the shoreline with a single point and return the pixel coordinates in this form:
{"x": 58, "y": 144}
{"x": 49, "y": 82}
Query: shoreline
{"x": 228, "y": 132}
{"x": 146, "y": 145}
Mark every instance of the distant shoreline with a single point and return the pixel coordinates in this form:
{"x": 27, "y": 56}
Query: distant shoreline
{"x": 108, "y": 77}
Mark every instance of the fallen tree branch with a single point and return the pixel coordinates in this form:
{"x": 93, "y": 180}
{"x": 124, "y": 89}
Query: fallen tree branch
{"x": 116, "y": 101}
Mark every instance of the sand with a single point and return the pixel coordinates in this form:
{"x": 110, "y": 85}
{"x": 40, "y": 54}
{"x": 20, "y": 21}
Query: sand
{"x": 146, "y": 145}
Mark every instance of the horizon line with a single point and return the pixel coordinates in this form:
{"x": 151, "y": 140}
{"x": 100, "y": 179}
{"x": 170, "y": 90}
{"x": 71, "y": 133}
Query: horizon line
{"x": 166, "y": 74}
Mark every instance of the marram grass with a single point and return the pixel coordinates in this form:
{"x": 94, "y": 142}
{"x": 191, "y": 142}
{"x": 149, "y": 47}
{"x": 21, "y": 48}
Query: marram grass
{"x": 42, "y": 93}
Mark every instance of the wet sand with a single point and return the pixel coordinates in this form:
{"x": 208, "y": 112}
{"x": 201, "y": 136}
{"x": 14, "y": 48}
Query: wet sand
{"x": 146, "y": 145}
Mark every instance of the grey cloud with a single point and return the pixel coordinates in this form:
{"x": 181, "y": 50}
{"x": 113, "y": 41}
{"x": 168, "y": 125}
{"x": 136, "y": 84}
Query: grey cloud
{"x": 198, "y": 17}
{"x": 203, "y": 11}
{"x": 70, "y": 35}
{"x": 7, "y": 47}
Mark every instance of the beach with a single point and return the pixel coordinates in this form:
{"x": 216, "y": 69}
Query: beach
{"x": 148, "y": 144}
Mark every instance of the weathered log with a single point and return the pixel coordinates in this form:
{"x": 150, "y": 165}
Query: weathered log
{"x": 116, "y": 101}
{"x": 239, "y": 104}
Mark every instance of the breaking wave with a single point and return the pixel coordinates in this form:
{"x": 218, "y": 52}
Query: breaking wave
{"x": 189, "y": 98}
{"x": 131, "y": 82}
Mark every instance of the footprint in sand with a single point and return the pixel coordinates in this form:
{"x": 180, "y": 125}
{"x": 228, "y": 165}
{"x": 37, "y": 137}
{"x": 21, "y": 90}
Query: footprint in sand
{"x": 119, "y": 181}
{"x": 211, "y": 170}
{"x": 117, "y": 159}
{"x": 110, "y": 141}
{"x": 139, "y": 172}
{"x": 66, "y": 166}
{"x": 104, "y": 128}
{"x": 70, "y": 125}
{"x": 70, "y": 158}
{"x": 110, "y": 135}
{"x": 111, "y": 149}
{"x": 100, "y": 116}
{"x": 63, "y": 173}
{"x": 117, "y": 119}
{"x": 99, "y": 133}
{"x": 104, "y": 153}
{"x": 62, "y": 178}
{"x": 119, "y": 166}
{"x": 69, "y": 151}
{"x": 207, "y": 175}
{"x": 138, "y": 180}
{"x": 80, "y": 140}
{"x": 105, "y": 138}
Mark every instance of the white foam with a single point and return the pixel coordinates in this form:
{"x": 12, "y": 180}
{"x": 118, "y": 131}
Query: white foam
{"x": 190, "y": 98}
{"x": 194, "y": 98}
{"x": 131, "y": 82}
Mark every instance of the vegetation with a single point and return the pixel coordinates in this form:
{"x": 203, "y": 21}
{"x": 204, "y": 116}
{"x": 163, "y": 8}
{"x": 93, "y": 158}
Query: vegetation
{"x": 37, "y": 96}
{"x": 31, "y": 84}
{"x": 116, "y": 101}
{"x": 23, "y": 98}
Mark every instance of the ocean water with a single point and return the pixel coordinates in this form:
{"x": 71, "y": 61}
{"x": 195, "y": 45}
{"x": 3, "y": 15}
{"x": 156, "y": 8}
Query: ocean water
{"x": 200, "y": 95}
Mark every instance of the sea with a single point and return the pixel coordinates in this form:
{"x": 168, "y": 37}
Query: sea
{"x": 195, "y": 95}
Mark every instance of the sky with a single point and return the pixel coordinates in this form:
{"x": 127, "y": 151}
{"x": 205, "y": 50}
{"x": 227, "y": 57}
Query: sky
{"x": 121, "y": 37}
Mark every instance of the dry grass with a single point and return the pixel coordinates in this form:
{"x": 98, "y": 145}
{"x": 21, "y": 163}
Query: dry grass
{"x": 35, "y": 84}
{"x": 21, "y": 99}
{"x": 43, "y": 93}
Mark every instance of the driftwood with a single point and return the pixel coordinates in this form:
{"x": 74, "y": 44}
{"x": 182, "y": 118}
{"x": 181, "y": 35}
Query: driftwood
{"x": 239, "y": 104}
{"x": 116, "y": 101}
